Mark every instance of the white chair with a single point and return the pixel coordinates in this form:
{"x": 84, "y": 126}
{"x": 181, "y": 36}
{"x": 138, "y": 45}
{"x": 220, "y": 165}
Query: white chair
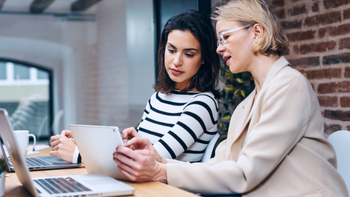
{"x": 341, "y": 143}
{"x": 209, "y": 151}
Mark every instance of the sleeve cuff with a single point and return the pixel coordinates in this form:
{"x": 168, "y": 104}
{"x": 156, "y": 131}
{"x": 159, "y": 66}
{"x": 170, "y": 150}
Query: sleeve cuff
{"x": 76, "y": 156}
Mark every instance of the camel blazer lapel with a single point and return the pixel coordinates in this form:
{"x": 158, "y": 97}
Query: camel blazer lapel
{"x": 246, "y": 110}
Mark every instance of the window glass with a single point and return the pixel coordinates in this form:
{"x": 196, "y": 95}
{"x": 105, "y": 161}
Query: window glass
{"x": 25, "y": 95}
{"x": 20, "y": 72}
{"x": 2, "y": 70}
{"x": 43, "y": 74}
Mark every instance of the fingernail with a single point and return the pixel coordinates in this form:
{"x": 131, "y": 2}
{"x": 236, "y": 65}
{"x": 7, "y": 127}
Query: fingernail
{"x": 117, "y": 148}
{"x": 123, "y": 136}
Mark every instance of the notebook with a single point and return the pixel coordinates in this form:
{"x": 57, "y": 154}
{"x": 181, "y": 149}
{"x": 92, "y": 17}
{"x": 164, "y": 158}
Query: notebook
{"x": 96, "y": 145}
{"x": 73, "y": 185}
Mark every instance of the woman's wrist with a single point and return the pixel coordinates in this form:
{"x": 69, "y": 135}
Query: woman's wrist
{"x": 162, "y": 173}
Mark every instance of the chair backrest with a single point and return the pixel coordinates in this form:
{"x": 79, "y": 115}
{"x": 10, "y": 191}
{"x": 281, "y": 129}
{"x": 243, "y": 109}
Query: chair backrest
{"x": 209, "y": 151}
{"x": 341, "y": 143}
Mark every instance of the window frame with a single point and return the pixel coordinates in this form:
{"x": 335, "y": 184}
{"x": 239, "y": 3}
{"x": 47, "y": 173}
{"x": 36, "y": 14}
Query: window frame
{"x": 51, "y": 85}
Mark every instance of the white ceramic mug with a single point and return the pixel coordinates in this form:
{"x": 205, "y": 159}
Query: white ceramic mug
{"x": 22, "y": 139}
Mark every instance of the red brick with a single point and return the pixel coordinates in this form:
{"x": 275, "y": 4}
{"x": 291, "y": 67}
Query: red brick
{"x": 317, "y": 47}
{"x": 296, "y": 10}
{"x": 336, "y": 59}
{"x": 346, "y": 14}
{"x": 334, "y": 3}
{"x": 305, "y": 35}
{"x": 337, "y": 115}
{"x": 323, "y": 19}
{"x": 328, "y": 101}
{"x": 331, "y": 128}
{"x": 296, "y": 49}
{"x": 277, "y": 3}
{"x": 296, "y": 24}
{"x": 335, "y": 31}
{"x": 280, "y": 13}
{"x": 345, "y": 101}
{"x": 334, "y": 87}
{"x": 315, "y": 7}
{"x": 322, "y": 32}
{"x": 286, "y": 52}
{"x": 324, "y": 73}
{"x": 347, "y": 72}
{"x": 306, "y": 62}
{"x": 344, "y": 43}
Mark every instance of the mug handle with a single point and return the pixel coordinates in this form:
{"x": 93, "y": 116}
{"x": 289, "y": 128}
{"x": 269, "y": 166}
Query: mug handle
{"x": 32, "y": 135}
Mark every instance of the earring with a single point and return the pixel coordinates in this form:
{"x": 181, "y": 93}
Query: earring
{"x": 255, "y": 43}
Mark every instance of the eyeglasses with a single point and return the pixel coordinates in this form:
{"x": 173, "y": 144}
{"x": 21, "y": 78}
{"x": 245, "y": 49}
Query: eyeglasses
{"x": 222, "y": 41}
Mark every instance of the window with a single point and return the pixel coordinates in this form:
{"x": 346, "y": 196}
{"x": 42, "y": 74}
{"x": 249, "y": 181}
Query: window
{"x": 2, "y": 70}
{"x": 25, "y": 94}
{"x": 20, "y": 72}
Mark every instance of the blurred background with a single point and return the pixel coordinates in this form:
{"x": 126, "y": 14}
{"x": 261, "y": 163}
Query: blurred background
{"x": 94, "y": 61}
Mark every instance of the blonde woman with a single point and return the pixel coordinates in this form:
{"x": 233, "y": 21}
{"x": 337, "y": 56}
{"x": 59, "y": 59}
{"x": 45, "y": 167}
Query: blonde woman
{"x": 275, "y": 144}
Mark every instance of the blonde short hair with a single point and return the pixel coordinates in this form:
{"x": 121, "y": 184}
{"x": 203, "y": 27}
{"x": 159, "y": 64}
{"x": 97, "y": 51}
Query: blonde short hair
{"x": 250, "y": 12}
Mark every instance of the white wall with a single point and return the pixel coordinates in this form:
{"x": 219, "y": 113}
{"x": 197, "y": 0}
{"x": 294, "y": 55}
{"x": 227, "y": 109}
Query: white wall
{"x": 103, "y": 70}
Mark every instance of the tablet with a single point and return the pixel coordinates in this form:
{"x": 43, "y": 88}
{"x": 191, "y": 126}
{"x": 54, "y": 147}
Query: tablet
{"x": 96, "y": 145}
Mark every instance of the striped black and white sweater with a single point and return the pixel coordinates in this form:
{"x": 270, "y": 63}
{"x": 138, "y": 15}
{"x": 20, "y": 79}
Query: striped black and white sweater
{"x": 180, "y": 125}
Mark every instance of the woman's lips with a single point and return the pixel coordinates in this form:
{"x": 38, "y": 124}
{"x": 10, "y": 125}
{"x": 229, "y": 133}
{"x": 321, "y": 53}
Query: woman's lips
{"x": 176, "y": 72}
{"x": 227, "y": 59}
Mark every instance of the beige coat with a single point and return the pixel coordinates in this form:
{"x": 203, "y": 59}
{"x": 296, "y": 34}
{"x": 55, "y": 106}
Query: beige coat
{"x": 274, "y": 148}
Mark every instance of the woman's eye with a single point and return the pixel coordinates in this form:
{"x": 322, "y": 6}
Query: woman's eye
{"x": 171, "y": 50}
{"x": 189, "y": 55}
{"x": 226, "y": 37}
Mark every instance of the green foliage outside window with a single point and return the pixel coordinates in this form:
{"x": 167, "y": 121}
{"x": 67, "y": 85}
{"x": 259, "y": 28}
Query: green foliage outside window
{"x": 237, "y": 88}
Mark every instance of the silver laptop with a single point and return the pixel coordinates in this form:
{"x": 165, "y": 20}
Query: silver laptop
{"x": 96, "y": 145}
{"x": 73, "y": 185}
{"x": 37, "y": 163}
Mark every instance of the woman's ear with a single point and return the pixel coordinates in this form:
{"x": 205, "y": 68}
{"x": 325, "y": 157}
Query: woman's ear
{"x": 258, "y": 33}
{"x": 202, "y": 62}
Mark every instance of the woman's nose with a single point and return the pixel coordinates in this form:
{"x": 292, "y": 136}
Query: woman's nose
{"x": 177, "y": 61}
{"x": 220, "y": 49}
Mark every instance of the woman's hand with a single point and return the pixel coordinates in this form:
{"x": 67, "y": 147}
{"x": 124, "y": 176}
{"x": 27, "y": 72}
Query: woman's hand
{"x": 140, "y": 165}
{"x": 144, "y": 147}
{"x": 128, "y": 134}
{"x": 63, "y": 146}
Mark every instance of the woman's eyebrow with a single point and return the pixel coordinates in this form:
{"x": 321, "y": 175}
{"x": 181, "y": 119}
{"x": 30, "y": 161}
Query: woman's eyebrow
{"x": 186, "y": 49}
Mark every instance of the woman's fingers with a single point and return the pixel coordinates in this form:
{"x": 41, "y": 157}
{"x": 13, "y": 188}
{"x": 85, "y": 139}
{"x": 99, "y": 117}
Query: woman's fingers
{"x": 139, "y": 142}
{"x": 130, "y": 132}
{"x": 67, "y": 133}
{"x": 54, "y": 138}
{"x": 124, "y": 152}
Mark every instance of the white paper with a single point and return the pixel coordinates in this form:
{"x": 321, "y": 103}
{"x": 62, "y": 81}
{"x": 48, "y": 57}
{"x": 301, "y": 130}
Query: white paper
{"x": 37, "y": 147}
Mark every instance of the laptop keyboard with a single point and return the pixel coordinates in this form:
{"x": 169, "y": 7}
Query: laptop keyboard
{"x": 61, "y": 185}
{"x": 33, "y": 161}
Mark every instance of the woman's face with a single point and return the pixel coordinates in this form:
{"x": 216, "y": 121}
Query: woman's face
{"x": 238, "y": 48}
{"x": 182, "y": 57}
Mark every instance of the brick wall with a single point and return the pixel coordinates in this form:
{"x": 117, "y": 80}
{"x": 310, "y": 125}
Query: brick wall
{"x": 318, "y": 31}
{"x": 319, "y": 34}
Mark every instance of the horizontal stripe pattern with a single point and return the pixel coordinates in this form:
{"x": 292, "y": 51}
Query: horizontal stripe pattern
{"x": 181, "y": 124}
